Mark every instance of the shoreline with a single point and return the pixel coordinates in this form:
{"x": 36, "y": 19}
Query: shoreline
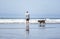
{"x": 51, "y": 21}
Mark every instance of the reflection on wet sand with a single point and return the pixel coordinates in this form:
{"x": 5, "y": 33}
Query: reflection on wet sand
{"x": 42, "y": 25}
{"x": 36, "y": 31}
{"x": 27, "y": 34}
{"x": 27, "y": 25}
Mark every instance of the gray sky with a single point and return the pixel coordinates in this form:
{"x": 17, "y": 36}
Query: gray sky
{"x": 36, "y": 8}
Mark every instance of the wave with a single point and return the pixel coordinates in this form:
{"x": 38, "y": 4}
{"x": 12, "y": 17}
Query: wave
{"x": 31, "y": 20}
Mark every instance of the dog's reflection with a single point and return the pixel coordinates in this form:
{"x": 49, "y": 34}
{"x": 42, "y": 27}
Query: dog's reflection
{"x": 41, "y": 25}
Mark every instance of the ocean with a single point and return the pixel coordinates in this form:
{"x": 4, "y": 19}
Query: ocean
{"x": 18, "y": 31}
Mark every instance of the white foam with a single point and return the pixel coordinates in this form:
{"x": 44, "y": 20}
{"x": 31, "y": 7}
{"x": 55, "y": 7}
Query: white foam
{"x": 31, "y": 20}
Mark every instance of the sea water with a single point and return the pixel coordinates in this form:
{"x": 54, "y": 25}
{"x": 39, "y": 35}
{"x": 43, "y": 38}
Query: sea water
{"x": 18, "y": 31}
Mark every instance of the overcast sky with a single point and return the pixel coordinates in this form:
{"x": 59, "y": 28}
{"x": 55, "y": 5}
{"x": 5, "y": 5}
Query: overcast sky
{"x": 36, "y": 8}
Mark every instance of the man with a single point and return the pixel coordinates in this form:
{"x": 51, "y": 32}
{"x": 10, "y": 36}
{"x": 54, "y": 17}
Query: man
{"x": 27, "y": 20}
{"x": 27, "y": 16}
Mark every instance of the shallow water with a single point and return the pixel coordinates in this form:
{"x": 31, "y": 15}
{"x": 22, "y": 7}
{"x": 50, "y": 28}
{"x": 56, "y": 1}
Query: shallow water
{"x": 18, "y": 31}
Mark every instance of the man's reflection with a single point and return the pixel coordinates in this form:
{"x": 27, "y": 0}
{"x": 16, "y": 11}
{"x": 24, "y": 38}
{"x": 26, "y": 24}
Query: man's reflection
{"x": 27, "y": 34}
{"x": 27, "y": 25}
